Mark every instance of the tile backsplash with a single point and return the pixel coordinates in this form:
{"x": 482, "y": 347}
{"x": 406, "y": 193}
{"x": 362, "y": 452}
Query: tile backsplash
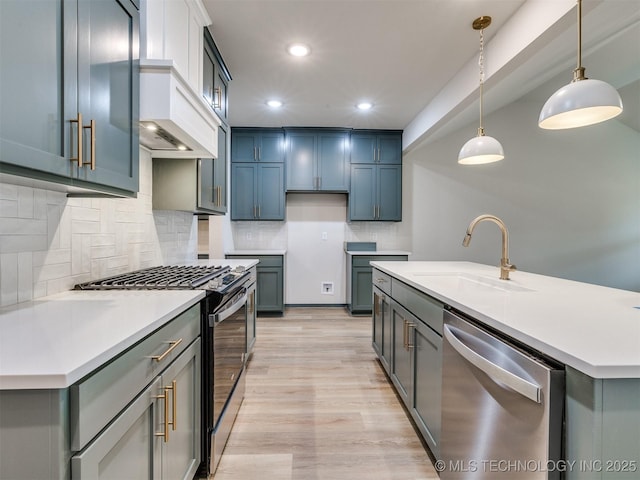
{"x": 49, "y": 242}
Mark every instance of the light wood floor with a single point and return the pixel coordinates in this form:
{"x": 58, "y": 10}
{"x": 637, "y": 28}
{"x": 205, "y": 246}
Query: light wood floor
{"x": 318, "y": 406}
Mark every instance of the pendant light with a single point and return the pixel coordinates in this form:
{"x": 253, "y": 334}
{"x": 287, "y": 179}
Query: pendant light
{"x": 481, "y": 149}
{"x": 583, "y": 101}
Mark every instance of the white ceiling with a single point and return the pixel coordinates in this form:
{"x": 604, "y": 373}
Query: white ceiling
{"x": 400, "y": 55}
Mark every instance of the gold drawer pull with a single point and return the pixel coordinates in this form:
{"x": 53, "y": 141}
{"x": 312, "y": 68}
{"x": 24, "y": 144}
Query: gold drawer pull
{"x": 174, "y": 394}
{"x": 173, "y": 345}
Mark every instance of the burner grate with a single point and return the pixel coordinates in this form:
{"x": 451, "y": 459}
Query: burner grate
{"x": 177, "y": 277}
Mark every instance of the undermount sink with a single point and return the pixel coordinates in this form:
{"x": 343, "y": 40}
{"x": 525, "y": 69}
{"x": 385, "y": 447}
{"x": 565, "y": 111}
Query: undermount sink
{"x": 479, "y": 282}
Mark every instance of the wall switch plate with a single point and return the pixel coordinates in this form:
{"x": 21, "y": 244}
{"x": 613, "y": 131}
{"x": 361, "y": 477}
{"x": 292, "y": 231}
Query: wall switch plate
{"x": 324, "y": 236}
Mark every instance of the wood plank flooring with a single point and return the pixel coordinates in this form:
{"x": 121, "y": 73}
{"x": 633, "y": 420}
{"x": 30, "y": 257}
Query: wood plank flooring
{"x": 318, "y": 406}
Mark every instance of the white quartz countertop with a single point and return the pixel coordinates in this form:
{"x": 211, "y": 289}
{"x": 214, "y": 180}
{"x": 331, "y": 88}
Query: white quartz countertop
{"x": 377, "y": 252}
{"x": 55, "y": 341}
{"x": 593, "y": 329}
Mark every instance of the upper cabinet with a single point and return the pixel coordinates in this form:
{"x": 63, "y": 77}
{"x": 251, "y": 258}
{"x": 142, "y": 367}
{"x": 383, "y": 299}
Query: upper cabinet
{"x": 371, "y": 146}
{"x": 257, "y": 145}
{"x": 215, "y": 79}
{"x": 69, "y": 105}
{"x": 317, "y": 160}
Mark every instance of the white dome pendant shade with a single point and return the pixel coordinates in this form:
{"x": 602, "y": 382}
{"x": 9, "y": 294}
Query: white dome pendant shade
{"x": 583, "y": 101}
{"x": 481, "y": 149}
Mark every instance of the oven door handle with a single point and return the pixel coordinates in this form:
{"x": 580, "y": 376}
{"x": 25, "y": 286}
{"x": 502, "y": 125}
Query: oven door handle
{"x": 236, "y": 305}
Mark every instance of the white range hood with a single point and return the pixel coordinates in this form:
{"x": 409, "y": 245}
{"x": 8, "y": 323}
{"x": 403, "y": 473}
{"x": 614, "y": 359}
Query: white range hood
{"x": 175, "y": 121}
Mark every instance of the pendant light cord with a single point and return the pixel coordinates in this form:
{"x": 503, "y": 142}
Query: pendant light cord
{"x": 578, "y": 73}
{"x": 481, "y": 65}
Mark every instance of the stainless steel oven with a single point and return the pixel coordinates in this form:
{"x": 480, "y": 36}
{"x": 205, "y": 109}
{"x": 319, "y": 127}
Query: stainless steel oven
{"x": 227, "y": 342}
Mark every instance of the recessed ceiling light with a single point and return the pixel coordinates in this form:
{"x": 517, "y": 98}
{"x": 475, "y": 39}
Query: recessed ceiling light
{"x": 364, "y": 105}
{"x": 151, "y": 126}
{"x": 298, "y": 50}
{"x": 274, "y": 103}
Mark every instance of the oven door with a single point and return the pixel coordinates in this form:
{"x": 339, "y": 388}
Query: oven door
{"x": 229, "y": 324}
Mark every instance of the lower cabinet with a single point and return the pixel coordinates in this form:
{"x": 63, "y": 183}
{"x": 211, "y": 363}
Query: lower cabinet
{"x": 359, "y": 278}
{"x": 136, "y": 417}
{"x": 407, "y": 337}
{"x": 155, "y": 437}
{"x": 269, "y": 283}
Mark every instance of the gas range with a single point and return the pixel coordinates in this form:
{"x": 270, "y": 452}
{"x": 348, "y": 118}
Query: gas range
{"x": 220, "y": 279}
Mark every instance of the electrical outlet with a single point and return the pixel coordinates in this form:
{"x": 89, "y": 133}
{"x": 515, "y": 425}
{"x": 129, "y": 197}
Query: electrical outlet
{"x": 249, "y": 236}
{"x": 324, "y": 236}
{"x": 326, "y": 288}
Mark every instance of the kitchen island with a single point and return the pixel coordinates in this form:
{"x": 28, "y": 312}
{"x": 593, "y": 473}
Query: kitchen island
{"x": 593, "y": 331}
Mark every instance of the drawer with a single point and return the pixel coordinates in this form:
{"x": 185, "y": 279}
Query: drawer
{"x": 382, "y": 281}
{"x": 427, "y": 309}
{"x": 98, "y": 398}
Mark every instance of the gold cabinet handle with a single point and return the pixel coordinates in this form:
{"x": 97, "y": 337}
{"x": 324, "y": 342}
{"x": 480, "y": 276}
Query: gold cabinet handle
{"x": 172, "y": 345}
{"x": 259, "y": 211}
{"x": 92, "y": 128}
{"x": 165, "y": 397}
{"x": 174, "y": 399}
{"x": 79, "y": 140}
{"x": 404, "y": 335}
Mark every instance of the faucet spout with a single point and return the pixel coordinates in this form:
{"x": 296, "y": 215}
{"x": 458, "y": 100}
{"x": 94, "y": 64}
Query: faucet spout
{"x": 505, "y": 265}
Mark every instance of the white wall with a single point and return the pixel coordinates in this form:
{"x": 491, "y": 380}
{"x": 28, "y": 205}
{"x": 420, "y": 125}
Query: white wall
{"x": 570, "y": 199}
{"x": 310, "y": 260}
{"x": 49, "y": 242}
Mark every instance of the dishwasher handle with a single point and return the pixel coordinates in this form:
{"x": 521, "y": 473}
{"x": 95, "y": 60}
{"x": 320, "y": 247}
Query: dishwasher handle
{"x": 496, "y": 372}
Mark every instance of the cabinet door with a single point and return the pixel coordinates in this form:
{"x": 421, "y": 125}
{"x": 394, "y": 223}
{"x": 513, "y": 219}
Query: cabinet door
{"x": 269, "y": 289}
{"x": 243, "y": 191}
{"x": 403, "y": 322}
{"x": 220, "y": 172}
{"x": 363, "y": 148}
{"x": 377, "y": 323}
{"x": 181, "y": 453}
{"x": 220, "y": 87}
{"x": 389, "y": 193}
{"x": 362, "y": 196}
{"x": 244, "y": 145}
{"x": 387, "y": 334}
{"x": 270, "y": 191}
{"x": 361, "y": 296}
{"x": 333, "y": 162}
{"x": 271, "y": 146}
{"x": 301, "y": 161}
{"x": 108, "y": 80}
{"x": 38, "y": 84}
{"x": 390, "y": 149}
{"x": 128, "y": 447}
{"x": 426, "y": 401}
{"x": 206, "y": 189}
{"x": 208, "y": 75}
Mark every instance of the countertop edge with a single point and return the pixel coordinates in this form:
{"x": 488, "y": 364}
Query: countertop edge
{"x": 598, "y": 371}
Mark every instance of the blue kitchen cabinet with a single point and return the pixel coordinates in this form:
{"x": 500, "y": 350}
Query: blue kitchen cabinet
{"x": 375, "y": 193}
{"x": 359, "y": 280}
{"x": 257, "y": 145}
{"x": 374, "y": 146}
{"x": 269, "y": 282}
{"x": 257, "y": 191}
{"x": 317, "y": 160}
{"x": 65, "y": 96}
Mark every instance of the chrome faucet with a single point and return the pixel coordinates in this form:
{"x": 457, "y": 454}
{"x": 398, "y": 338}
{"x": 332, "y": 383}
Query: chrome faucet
{"x": 505, "y": 266}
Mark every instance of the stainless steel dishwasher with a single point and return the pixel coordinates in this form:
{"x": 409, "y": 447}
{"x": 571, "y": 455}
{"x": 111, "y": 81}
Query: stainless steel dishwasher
{"x": 502, "y": 408}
